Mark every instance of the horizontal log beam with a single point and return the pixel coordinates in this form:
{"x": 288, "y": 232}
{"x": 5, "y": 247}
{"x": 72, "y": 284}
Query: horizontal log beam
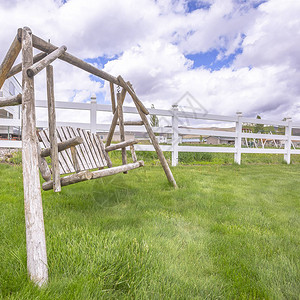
{"x": 42, "y": 45}
{"x": 11, "y": 101}
{"x": 70, "y": 179}
{"x": 46, "y": 61}
{"x": 116, "y": 170}
{"x": 132, "y": 123}
{"x": 18, "y": 68}
{"x": 63, "y": 145}
{"x": 120, "y": 145}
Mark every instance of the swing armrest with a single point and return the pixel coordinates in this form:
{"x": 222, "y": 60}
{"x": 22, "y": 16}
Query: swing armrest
{"x": 63, "y": 145}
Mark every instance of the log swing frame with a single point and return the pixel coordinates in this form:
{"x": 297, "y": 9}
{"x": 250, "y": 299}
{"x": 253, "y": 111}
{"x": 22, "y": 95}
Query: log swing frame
{"x": 33, "y": 159}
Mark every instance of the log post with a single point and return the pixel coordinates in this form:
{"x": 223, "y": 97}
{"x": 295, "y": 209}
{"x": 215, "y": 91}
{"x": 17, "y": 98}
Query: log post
{"x": 52, "y": 130}
{"x": 112, "y": 97}
{"x": 9, "y": 59}
{"x": 43, "y": 166}
{"x": 35, "y": 231}
{"x": 121, "y": 127}
{"x": 114, "y": 121}
{"x": 155, "y": 144}
{"x": 133, "y": 155}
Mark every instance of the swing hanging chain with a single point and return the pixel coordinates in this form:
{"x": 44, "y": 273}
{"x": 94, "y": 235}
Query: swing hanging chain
{"x": 118, "y": 89}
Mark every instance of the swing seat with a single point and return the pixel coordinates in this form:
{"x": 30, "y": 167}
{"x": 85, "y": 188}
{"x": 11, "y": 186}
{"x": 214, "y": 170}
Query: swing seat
{"x": 83, "y": 155}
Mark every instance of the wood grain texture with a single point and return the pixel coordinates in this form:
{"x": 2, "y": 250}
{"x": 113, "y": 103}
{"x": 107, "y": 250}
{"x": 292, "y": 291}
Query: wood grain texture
{"x": 120, "y": 145}
{"x": 34, "y": 220}
{"x": 70, "y": 179}
{"x": 121, "y": 127}
{"x": 46, "y": 61}
{"x": 133, "y": 154}
{"x": 115, "y": 120}
{"x": 133, "y": 95}
{"x": 11, "y": 101}
{"x": 63, "y": 145}
{"x": 112, "y": 97}
{"x": 18, "y": 68}
{"x": 9, "y": 59}
{"x": 116, "y": 170}
{"x": 52, "y": 129}
{"x": 155, "y": 144}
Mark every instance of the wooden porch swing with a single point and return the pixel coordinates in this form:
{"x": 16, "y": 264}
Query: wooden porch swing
{"x": 72, "y": 150}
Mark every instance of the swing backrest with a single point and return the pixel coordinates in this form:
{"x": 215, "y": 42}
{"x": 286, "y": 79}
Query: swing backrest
{"x": 89, "y": 154}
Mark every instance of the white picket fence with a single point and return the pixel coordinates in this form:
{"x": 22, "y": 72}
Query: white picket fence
{"x": 175, "y": 130}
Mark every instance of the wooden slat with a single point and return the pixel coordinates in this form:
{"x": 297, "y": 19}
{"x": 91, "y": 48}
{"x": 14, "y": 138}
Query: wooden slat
{"x": 104, "y": 155}
{"x": 85, "y": 149}
{"x": 99, "y": 149}
{"x": 107, "y": 158}
{"x": 99, "y": 161}
{"x": 44, "y": 138}
{"x": 67, "y": 153}
{"x": 91, "y": 149}
{"x": 80, "y": 149}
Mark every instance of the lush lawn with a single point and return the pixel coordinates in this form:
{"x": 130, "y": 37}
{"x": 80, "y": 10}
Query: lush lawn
{"x": 228, "y": 232}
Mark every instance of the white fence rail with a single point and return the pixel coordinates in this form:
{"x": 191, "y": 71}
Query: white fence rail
{"x": 176, "y": 131}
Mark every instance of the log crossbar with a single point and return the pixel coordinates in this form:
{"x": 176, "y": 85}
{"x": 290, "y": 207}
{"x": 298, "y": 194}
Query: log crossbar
{"x": 11, "y": 101}
{"x": 87, "y": 175}
{"x": 63, "y": 145}
{"x": 120, "y": 145}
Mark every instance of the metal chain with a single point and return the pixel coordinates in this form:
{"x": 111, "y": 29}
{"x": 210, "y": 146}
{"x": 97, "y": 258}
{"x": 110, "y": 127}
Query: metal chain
{"x": 118, "y": 89}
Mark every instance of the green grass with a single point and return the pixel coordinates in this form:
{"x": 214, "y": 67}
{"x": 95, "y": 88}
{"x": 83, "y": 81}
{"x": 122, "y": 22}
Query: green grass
{"x": 228, "y": 232}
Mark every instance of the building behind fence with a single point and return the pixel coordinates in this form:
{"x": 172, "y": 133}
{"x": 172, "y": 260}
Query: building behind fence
{"x": 242, "y": 141}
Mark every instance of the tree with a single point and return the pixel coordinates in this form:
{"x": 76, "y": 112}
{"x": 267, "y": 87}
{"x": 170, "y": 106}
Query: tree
{"x": 154, "y": 122}
{"x": 258, "y": 127}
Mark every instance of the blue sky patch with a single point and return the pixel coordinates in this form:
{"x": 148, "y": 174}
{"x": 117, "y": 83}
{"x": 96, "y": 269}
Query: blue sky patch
{"x": 208, "y": 60}
{"x": 196, "y": 4}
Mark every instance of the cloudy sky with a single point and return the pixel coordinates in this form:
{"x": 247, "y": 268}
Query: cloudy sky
{"x": 231, "y": 55}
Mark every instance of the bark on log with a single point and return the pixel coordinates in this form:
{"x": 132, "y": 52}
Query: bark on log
{"x": 120, "y": 145}
{"x": 35, "y": 232}
{"x": 74, "y": 159}
{"x": 9, "y": 59}
{"x": 121, "y": 127}
{"x": 69, "y": 58}
{"x": 11, "y": 101}
{"x": 43, "y": 166}
{"x": 112, "y": 97}
{"x": 132, "y": 123}
{"x": 52, "y": 129}
{"x": 114, "y": 121}
{"x": 46, "y": 61}
{"x": 116, "y": 170}
{"x": 70, "y": 179}
{"x": 133, "y": 154}
{"x": 155, "y": 144}
{"x": 133, "y": 95}
{"x": 63, "y": 145}
{"x": 18, "y": 68}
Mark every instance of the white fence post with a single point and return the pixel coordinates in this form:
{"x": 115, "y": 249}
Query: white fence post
{"x": 238, "y": 139}
{"x": 287, "y": 144}
{"x": 175, "y": 137}
{"x": 93, "y": 114}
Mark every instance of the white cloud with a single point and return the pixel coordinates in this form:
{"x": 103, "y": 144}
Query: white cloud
{"x": 151, "y": 39}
